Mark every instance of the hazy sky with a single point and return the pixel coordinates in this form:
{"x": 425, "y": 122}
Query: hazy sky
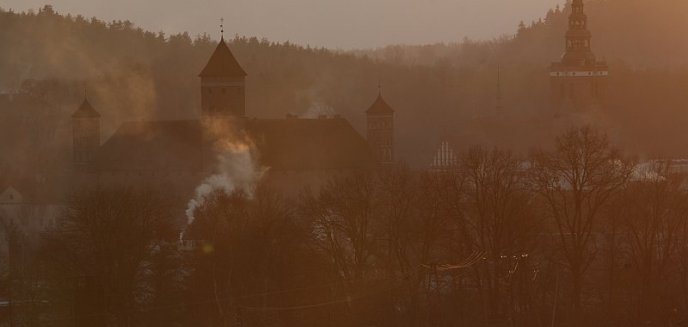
{"x": 332, "y": 23}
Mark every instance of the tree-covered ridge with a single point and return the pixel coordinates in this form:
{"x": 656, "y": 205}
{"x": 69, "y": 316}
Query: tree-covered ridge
{"x": 638, "y": 32}
{"x": 50, "y": 59}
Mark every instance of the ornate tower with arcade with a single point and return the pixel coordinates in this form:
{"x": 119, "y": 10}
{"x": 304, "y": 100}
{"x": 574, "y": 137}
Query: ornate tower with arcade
{"x": 579, "y": 78}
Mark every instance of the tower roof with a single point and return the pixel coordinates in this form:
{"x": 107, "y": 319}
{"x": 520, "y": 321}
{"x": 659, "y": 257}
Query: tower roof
{"x": 222, "y": 63}
{"x": 86, "y": 111}
{"x": 380, "y": 106}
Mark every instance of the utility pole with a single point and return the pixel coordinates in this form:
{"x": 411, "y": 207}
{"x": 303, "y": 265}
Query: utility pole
{"x": 10, "y": 299}
{"x": 556, "y": 298}
{"x": 10, "y": 232}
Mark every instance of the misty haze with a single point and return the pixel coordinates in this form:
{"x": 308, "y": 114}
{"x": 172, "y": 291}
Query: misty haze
{"x": 344, "y": 163}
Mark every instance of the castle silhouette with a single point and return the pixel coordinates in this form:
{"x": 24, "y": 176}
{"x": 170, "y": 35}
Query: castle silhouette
{"x": 298, "y": 152}
{"x": 178, "y": 154}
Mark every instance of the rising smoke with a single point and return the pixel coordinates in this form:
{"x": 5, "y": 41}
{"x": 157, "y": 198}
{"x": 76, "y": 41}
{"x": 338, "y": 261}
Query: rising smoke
{"x": 236, "y": 167}
{"x": 318, "y": 109}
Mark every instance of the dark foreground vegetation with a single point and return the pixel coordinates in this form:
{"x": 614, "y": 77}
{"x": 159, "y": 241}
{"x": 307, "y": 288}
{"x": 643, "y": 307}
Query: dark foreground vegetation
{"x": 575, "y": 235}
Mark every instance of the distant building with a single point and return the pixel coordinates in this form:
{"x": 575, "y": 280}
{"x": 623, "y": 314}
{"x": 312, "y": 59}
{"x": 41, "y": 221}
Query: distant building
{"x": 579, "y": 79}
{"x": 26, "y": 205}
{"x": 177, "y": 155}
{"x": 25, "y": 212}
{"x": 445, "y": 159}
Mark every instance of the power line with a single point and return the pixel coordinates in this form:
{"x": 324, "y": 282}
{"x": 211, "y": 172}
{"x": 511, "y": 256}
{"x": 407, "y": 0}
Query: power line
{"x": 321, "y": 304}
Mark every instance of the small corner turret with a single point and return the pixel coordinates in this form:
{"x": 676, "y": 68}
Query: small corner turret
{"x": 85, "y": 133}
{"x": 380, "y": 121}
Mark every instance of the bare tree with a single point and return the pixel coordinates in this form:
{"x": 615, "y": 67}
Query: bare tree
{"x": 446, "y": 251}
{"x": 653, "y": 211}
{"x": 103, "y": 244}
{"x": 576, "y": 180}
{"x": 398, "y": 197}
{"x": 220, "y": 226}
{"x": 363, "y": 224}
{"x": 498, "y": 211}
{"x": 249, "y": 248}
{"x": 344, "y": 213}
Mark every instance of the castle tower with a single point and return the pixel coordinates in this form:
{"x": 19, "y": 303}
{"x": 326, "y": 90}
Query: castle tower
{"x": 85, "y": 133}
{"x": 579, "y": 78}
{"x": 223, "y": 84}
{"x": 381, "y": 130}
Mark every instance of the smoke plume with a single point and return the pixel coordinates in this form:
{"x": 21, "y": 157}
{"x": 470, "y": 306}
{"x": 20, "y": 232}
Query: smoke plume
{"x": 318, "y": 109}
{"x": 236, "y": 165}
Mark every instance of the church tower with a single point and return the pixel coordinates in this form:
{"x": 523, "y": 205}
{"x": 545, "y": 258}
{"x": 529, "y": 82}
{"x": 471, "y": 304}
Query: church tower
{"x": 223, "y": 85}
{"x": 85, "y": 133}
{"x": 579, "y": 78}
{"x": 381, "y": 130}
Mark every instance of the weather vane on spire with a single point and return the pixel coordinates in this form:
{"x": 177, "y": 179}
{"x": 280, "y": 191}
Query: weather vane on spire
{"x": 222, "y": 27}
{"x": 379, "y": 86}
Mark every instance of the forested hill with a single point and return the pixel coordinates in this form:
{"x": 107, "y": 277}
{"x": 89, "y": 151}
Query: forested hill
{"x": 47, "y": 59}
{"x": 640, "y": 33}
